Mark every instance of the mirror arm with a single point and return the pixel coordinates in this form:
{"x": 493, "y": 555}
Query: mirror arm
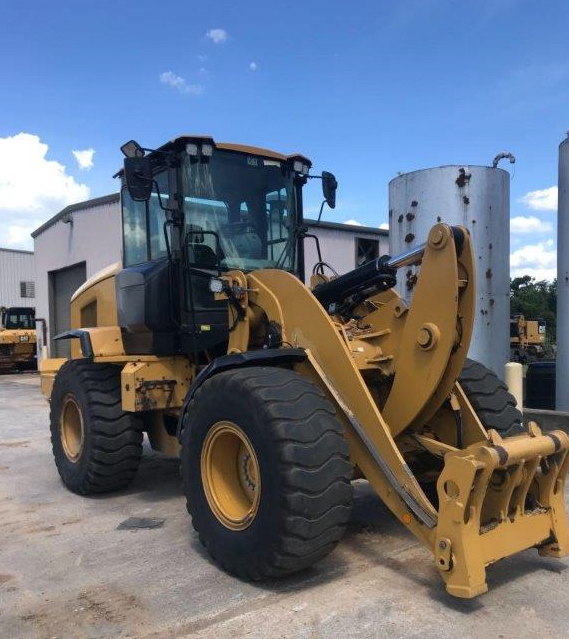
{"x": 156, "y": 151}
{"x": 157, "y": 189}
{"x": 317, "y": 241}
{"x": 328, "y": 180}
{"x": 320, "y": 213}
{"x": 164, "y": 208}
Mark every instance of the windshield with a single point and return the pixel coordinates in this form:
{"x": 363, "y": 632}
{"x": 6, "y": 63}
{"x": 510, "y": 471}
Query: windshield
{"x": 15, "y": 318}
{"x": 242, "y": 207}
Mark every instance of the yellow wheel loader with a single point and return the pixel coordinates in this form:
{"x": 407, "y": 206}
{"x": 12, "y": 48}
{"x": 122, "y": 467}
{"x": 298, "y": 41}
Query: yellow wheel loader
{"x": 276, "y": 394}
{"x": 527, "y": 339}
{"x": 17, "y": 338}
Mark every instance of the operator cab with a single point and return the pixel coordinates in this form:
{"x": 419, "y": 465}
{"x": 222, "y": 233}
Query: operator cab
{"x": 17, "y": 318}
{"x": 191, "y": 210}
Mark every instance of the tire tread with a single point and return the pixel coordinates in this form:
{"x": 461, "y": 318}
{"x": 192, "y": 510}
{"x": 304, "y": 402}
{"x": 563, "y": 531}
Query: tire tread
{"x": 314, "y": 470}
{"x": 116, "y": 436}
{"x": 490, "y": 398}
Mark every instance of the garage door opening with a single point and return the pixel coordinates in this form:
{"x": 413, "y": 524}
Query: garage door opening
{"x": 62, "y": 285}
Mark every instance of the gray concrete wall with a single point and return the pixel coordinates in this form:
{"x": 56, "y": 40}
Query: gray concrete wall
{"x": 94, "y": 237}
{"x": 15, "y": 267}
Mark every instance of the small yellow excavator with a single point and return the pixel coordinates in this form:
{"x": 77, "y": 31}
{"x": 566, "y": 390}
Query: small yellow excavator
{"x": 276, "y": 394}
{"x": 17, "y": 338}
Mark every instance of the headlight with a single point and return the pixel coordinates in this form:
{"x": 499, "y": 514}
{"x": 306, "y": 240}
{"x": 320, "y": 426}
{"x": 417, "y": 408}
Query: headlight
{"x": 207, "y": 150}
{"x": 298, "y": 166}
{"x": 216, "y": 285}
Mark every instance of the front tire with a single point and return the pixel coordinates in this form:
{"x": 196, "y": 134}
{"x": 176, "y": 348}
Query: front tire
{"x": 491, "y": 400}
{"x": 266, "y": 471}
{"x": 96, "y": 445}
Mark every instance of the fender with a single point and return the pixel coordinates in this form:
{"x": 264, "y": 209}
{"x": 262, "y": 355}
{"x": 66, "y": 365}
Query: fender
{"x": 261, "y": 357}
{"x": 101, "y": 341}
{"x": 84, "y": 339}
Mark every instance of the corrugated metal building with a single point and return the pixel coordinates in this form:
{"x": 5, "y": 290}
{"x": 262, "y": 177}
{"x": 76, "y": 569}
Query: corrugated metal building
{"x": 17, "y": 278}
{"x": 344, "y": 246}
{"x": 84, "y": 238}
{"x": 71, "y": 247}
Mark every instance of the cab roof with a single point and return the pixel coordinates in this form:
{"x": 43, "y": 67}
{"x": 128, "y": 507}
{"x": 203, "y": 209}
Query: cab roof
{"x": 180, "y": 142}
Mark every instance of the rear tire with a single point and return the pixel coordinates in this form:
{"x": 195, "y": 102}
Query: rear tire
{"x": 96, "y": 445}
{"x": 491, "y": 400}
{"x": 300, "y": 493}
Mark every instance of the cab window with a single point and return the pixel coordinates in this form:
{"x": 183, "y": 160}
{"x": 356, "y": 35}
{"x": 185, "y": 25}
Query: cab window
{"x": 157, "y": 217}
{"x": 243, "y": 206}
{"x": 143, "y": 224}
{"x": 134, "y": 230}
{"x": 19, "y": 319}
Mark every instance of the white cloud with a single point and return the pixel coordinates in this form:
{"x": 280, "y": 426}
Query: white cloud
{"x": 384, "y": 226}
{"x": 538, "y": 274}
{"x": 541, "y": 200}
{"x": 253, "y": 66}
{"x": 177, "y": 82}
{"x": 32, "y": 188}
{"x": 84, "y": 158}
{"x": 353, "y": 222}
{"x": 217, "y": 36}
{"x": 538, "y": 260}
{"x": 530, "y": 224}
{"x": 19, "y": 234}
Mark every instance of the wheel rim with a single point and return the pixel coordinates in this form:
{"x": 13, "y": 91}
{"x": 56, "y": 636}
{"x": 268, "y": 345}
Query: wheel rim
{"x": 71, "y": 430}
{"x": 230, "y": 475}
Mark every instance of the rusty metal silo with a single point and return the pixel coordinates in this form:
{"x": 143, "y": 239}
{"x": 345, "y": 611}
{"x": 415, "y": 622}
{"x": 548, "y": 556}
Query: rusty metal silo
{"x": 477, "y": 197}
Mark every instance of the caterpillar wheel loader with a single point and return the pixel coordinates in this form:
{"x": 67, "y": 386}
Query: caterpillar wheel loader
{"x": 276, "y": 394}
{"x": 17, "y": 338}
{"x": 527, "y": 339}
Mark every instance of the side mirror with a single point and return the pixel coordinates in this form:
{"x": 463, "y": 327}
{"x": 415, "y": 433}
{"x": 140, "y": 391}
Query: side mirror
{"x": 329, "y": 186}
{"x": 132, "y": 149}
{"x": 138, "y": 178}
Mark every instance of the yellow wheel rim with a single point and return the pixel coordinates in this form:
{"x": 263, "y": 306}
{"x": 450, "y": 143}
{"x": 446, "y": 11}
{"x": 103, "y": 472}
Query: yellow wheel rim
{"x": 230, "y": 475}
{"x": 71, "y": 429}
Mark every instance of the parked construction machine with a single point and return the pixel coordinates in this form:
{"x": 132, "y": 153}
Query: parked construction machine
{"x": 276, "y": 394}
{"x": 527, "y": 339}
{"x": 17, "y": 338}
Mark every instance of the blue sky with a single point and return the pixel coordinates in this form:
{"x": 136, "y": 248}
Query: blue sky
{"x": 366, "y": 89}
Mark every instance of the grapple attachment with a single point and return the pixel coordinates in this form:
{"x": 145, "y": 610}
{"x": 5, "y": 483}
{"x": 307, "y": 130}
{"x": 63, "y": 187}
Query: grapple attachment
{"x": 497, "y": 498}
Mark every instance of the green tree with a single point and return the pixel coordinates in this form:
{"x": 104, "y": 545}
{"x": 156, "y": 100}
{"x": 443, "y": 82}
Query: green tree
{"x": 535, "y": 299}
